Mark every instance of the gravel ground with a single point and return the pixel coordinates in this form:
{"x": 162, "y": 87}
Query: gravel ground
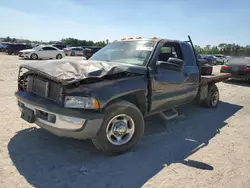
{"x": 201, "y": 148}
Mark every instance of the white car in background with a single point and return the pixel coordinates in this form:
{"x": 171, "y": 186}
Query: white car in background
{"x": 42, "y": 52}
{"x": 73, "y": 51}
{"x": 221, "y": 59}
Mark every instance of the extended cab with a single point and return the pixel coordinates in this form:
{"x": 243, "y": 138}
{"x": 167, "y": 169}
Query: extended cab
{"x": 107, "y": 97}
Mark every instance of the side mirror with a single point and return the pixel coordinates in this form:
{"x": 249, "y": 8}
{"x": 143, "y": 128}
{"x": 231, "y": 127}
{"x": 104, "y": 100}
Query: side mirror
{"x": 172, "y": 64}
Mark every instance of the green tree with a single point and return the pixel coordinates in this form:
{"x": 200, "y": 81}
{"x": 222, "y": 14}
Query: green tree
{"x": 7, "y": 39}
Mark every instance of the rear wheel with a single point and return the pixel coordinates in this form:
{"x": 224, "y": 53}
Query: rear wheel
{"x": 72, "y": 54}
{"x": 34, "y": 56}
{"x": 213, "y": 97}
{"x": 121, "y": 130}
{"x": 59, "y": 56}
{"x": 9, "y": 53}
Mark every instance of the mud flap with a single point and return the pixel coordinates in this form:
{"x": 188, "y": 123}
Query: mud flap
{"x": 202, "y": 94}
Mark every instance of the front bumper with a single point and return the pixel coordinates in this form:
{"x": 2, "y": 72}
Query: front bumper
{"x": 24, "y": 55}
{"x": 60, "y": 121}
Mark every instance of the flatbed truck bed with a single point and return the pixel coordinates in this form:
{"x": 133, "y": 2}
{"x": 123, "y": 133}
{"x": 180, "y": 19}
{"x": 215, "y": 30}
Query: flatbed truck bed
{"x": 214, "y": 78}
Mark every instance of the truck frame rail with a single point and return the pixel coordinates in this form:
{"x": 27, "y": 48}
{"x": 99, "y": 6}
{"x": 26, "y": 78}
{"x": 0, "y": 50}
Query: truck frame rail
{"x": 214, "y": 78}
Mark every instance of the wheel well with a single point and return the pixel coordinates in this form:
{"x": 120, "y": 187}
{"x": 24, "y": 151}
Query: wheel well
{"x": 138, "y": 99}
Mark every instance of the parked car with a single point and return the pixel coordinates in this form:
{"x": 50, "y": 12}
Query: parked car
{"x": 42, "y": 52}
{"x": 210, "y": 58}
{"x": 3, "y": 46}
{"x": 15, "y": 48}
{"x": 73, "y": 51}
{"x": 90, "y": 50}
{"x": 221, "y": 59}
{"x": 107, "y": 97}
{"x": 238, "y": 67}
{"x": 59, "y": 46}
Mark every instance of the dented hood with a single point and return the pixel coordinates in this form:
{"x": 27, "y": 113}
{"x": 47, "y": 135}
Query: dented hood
{"x": 69, "y": 71}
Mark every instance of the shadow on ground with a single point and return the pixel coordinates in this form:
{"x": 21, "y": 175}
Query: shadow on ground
{"x": 244, "y": 83}
{"x": 49, "y": 161}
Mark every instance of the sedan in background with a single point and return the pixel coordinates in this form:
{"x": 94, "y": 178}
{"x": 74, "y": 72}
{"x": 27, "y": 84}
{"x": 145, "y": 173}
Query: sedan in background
{"x": 15, "y": 48}
{"x": 90, "y": 50}
{"x": 59, "y": 46}
{"x": 221, "y": 59}
{"x": 238, "y": 67}
{"x": 73, "y": 51}
{"x": 3, "y": 46}
{"x": 210, "y": 58}
{"x": 42, "y": 52}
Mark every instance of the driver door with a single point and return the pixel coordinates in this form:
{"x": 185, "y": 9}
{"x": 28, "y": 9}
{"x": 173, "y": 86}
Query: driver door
{"x": 168, "y": 86}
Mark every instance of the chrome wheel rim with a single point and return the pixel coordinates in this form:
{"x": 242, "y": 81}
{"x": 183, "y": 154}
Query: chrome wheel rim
{"x": 59, "y": 56}
{"x": 33, "y": 56}
{"x": 215, "y": 98}
{"x": 120, "y": 129}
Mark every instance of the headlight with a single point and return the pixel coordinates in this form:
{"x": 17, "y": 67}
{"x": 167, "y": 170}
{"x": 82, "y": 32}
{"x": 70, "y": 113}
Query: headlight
{"x": 81, "y": 102}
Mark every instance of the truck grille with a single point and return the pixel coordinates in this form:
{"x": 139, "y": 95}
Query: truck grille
{"x": 41, "y": 87}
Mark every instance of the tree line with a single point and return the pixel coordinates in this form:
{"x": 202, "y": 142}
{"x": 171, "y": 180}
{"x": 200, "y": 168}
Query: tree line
{"x": 226, "y": 49}
{"x": 67, "y": 41}
{"x": 77, "y": 42}
{"x": 223, "y": 48}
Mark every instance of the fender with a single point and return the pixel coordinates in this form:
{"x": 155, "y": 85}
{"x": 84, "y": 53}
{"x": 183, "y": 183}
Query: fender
{"x": 132, "y": 88}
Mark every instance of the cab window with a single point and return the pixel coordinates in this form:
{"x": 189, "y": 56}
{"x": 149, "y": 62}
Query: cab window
{"x": 169, "y": 50}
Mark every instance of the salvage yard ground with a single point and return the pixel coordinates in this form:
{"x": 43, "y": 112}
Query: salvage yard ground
{"x": 201, "y": 148}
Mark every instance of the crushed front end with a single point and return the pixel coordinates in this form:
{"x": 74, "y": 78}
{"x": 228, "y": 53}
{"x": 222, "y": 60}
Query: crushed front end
{"x": 41, "y": 101}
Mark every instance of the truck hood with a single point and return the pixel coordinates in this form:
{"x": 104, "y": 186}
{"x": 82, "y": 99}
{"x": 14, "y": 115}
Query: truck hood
{"x": 70, "y": 71}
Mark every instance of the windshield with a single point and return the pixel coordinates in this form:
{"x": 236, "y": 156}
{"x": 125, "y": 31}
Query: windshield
{"x": 129, "y": 52}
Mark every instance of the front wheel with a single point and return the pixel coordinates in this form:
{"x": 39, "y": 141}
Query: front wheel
{"x": 34, "y": 56}
{"x": 121, "y": 130}
{"x": 59, "y": 56}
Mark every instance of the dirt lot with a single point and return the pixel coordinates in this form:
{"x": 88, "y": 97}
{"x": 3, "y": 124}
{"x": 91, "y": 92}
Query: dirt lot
{"x": 201, "y": 148}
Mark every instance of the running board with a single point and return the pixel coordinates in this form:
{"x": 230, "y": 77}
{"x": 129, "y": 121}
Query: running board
{"x": 169, "y": 114}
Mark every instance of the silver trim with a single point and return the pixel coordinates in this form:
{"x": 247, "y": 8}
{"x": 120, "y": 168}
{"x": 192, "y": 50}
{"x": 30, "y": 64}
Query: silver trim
{"x": 46, "y": 89}
{"x": 61, "y": 122}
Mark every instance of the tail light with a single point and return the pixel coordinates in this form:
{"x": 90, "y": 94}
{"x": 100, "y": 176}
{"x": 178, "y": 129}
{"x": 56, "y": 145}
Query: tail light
{"x": 247, "y": 69}
{"x": 224, "y": 67}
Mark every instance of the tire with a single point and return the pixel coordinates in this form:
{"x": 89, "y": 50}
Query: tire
{"x": 9, "y": 53}
{"x": 206, "y": 70}
{"x": 59, "y": 56}
{"x": 107, "y": 143}
{"x": 72, "y": 54}
{"x": 213, "y": 97}
{"x": 34, "y": 56}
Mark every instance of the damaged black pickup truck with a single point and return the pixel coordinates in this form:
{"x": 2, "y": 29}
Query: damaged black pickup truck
{"x": 107, "y": 97}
